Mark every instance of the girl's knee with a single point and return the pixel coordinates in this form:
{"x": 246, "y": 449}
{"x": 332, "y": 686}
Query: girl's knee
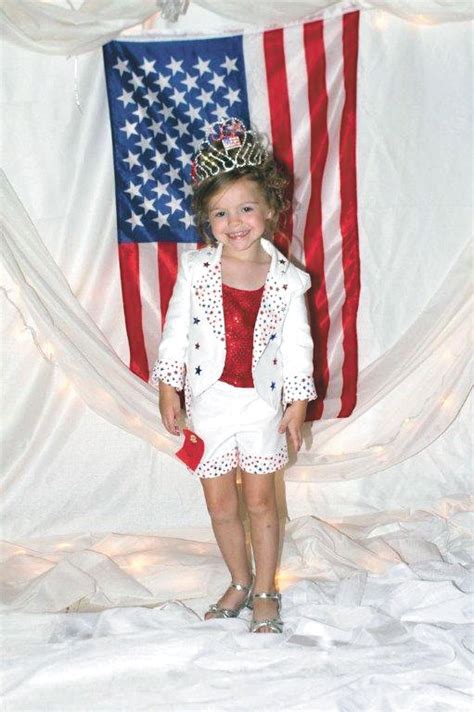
{"x": 221, "y": 510}
{"x": 260, "y": 500}
{"x": 221, "y": 496}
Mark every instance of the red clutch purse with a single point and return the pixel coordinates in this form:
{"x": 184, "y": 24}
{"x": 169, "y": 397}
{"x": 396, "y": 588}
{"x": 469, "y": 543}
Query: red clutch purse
{"x": 192, "y": 449}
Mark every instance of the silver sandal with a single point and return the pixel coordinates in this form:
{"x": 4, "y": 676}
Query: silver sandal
{"x": 233, "y": 612}
{"x": 275, "y": 624}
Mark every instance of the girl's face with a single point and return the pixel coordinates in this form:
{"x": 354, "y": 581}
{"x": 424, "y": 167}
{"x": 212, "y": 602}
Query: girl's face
{"x": 238, "y": 215}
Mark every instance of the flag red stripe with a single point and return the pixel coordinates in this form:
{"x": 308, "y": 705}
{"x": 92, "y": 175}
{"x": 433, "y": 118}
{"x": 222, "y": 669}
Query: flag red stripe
{"x": 129, "y": 262}
{"x": 167, "y": 271}
{"x": 313, "y": 239}
{"x": 349, "y": 228}
{"x": 279, "y": 105}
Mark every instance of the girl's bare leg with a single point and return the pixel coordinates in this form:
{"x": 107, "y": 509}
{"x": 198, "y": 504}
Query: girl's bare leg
{"x": 260, "y": 500}
{"x": 222, "y": 503}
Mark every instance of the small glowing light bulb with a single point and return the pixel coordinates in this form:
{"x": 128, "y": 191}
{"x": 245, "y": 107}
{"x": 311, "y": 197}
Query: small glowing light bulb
{"x": 380, "y": 20}
{"x": 447, "y": 402}
{"x": 48, "y": 349}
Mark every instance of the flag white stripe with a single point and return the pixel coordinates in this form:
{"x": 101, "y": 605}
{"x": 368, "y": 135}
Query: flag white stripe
{"x": 331, "y": 213}
{"x": 150, "y": 299}
{"x": 256, "y": 77}
{"x": 297, "y": 82}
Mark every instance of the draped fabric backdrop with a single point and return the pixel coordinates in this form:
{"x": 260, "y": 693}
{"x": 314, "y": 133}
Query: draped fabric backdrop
{"x": 297, "y": 85}
{"x": 106, "y": 536}
{"x": 65, "y": 337}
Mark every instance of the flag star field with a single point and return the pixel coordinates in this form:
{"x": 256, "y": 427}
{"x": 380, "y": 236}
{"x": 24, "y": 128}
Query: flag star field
{"x": 163, "y": 100}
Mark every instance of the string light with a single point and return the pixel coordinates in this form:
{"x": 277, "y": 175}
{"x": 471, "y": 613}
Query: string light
{"x": 421, "y": 20}
{"x": 65, "y": 384}
{"x": 138, "y": 562}
{"x": 380, "y": 20}
{"x": 447, "y": 355}
{"x": 134, "y": 420}
{"x": 19, "y": 331}
{"x": 48, "y": 350}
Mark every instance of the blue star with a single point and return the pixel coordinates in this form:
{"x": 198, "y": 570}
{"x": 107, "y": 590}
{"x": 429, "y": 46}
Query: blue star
{"x": 273, "y": 385}
{"x": 198, "y": 370}
{"x": 196, "y": 320}
{"x": 273, "y": 336}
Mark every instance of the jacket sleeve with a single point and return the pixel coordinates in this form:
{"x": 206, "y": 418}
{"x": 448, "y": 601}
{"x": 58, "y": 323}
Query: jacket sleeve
{"x": 170, "y": 364}
{"x": 297, "y": 351}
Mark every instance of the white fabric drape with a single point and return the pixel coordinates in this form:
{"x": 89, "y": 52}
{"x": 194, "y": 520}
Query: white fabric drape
{"x": 375, "y": 571}
{"x": 374, "y": 610}
{"x": 68, "y": 28}
{"x": 62, "y": 286}
{"x": 422, "y": 381}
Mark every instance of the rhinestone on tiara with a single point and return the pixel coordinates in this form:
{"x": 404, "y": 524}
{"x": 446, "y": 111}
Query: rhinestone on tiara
{"x": 228, "y": 145}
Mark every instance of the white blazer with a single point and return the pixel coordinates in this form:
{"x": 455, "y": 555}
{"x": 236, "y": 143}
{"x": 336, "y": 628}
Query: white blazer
{"x": 192, "y": 349}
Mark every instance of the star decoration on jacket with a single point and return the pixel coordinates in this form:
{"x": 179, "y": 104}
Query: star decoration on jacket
{"x": 196, "y": 346}
{"x": 273, "y": 336}
{"x": 273, "y": 385}
{"x": 198, "y": 370}
{"x": 196, "y": 320}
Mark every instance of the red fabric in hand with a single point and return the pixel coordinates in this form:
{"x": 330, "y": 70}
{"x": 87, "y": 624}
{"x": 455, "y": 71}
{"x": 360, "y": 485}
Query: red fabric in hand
{"x": 192, "y": 449}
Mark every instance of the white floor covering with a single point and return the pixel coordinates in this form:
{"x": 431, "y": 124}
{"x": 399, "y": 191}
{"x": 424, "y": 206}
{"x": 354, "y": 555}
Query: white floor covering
{"x": 376, "y": 610}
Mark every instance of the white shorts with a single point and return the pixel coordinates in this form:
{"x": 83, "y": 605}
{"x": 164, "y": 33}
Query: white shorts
{"x": 238, "y": 428}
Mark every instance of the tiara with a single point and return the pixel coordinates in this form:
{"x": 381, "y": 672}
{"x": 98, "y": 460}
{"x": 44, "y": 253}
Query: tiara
{"x": 238, "y": 147}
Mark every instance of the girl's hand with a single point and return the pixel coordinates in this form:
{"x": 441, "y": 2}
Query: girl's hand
{"x": 170, "y": 408}
{"x": 293, "y": 419}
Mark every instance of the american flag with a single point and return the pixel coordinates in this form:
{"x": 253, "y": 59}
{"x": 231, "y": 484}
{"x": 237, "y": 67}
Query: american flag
{"x": 298, "y": 86}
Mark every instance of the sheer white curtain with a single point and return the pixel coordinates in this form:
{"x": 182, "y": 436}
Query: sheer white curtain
{"x": 422, "y": 381}
{"x": 62, "y": 291}
{"x": 68, "y": 27}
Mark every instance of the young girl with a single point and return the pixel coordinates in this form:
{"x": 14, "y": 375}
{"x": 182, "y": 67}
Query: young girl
{"x": 237, "y": 339}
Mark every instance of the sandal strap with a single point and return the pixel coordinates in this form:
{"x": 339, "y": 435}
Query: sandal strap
{"x": 242, "y": 586}
{"x": 224, "y": 612}
{"x": 275, "y": 595}
{"x": 274, "y": 623}
{"x": 234, "y": 612}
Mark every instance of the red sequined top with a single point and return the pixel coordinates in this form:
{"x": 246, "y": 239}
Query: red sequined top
{"x": 240, "y": 313}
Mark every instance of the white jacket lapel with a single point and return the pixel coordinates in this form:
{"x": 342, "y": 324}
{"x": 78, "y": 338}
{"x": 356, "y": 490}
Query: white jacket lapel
{"x": 208, "y": 289}
{"x": 274, "y": 302}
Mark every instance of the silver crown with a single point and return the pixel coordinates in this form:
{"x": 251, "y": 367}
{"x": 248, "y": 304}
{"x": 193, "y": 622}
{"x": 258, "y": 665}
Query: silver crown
{"x": 238, "y": 147}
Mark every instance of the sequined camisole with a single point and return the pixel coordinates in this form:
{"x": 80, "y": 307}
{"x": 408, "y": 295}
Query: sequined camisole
{"x": 240, "y": 313}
